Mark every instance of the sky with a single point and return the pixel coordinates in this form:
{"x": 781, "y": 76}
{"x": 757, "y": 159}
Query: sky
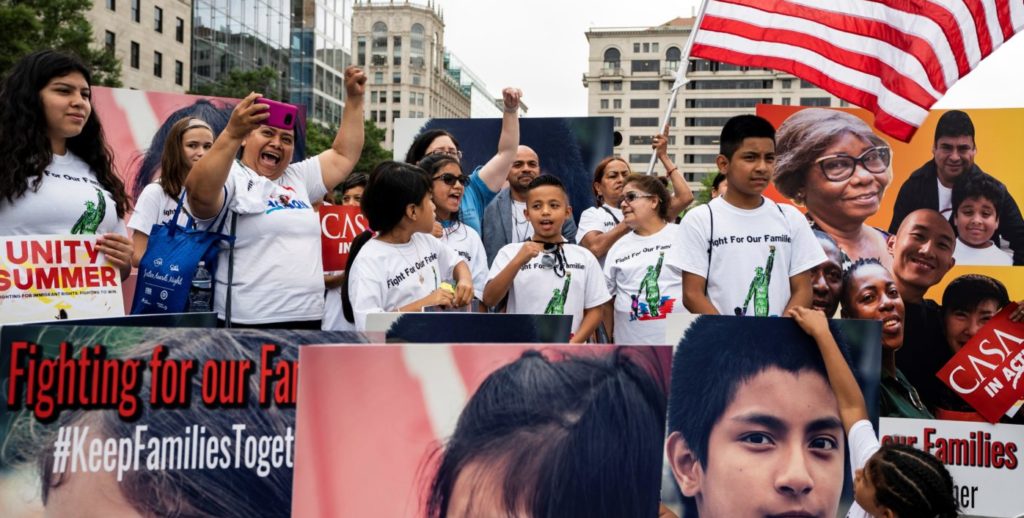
{"x": 540, "y": 46}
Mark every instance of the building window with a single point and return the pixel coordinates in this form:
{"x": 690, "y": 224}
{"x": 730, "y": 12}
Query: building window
{"x": 617, "y": 121}
{"x": 645, "y": 140}
{"x": 110, "y": 41}
{"x": 806, "y": 84}
{"x": 672, "y": 58}
{"x": 606, "y": 85}
{"x": 179, "y": 73}
{"x": 700, "y": 140}
{"x": 654, "y": 47}
{"x": 643, "y": 103}
{"x": 158, "y": 19}
{"x": 786, "y": 101}
{"x": 112, "y": 5}
{"x": 396, "y": 50}
{"x": 617, "y": 86}
{"x": 604, "y": 104}
{"x": 179, "y": 30}
{"x": 699, "y": 159}
{"x": 705, "y": 121}
{"x": 616, "y": 104}
{"x": 417, "y": 79}
{"x": 361, "y": 51}
{"x": 787, "y": 84}
{"x": 726, "y": 103}
{"x": 158, "y": 64}
{"x": 373, "y": 97}
{"x": 639, "y": 158}
{"x": 396, "y": 78}
{"x": 396, "y": 96}
{"x": 378, "y": 78}
{"x": 647, "y": 47}
{"x": 815, "y": 101}
{"x": 379, "y": 44}
{"x": 395, "y": 114}
{"x": 644, "y": 85}
{"x": 612, "y": 59}
{"x": 136, "y": 11}
{"x": 729, "y": 84}
{"x": 643, "y": 122}
{"x": 645, "y": 65}
{"x": 134, "y": 57}
{"x": 636, "y": 48}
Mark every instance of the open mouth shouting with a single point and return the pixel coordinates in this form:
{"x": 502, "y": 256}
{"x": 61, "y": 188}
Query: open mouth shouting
{"x": 545, "y": 226}
{"x": 270, "y": 158}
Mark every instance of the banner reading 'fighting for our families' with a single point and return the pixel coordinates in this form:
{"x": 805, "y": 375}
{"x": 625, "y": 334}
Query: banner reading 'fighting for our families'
{"x": 56, "y": 277}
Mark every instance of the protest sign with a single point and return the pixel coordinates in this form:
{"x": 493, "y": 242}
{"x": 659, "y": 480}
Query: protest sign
{"x": 45, "y": 278}
{"x": 339, "y": 225}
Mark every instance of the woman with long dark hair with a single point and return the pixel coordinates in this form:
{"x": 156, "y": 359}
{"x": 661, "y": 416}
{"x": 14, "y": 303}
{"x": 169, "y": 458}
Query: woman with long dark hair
{"x": 59, "y": 178}
{"x": 403, "y": 268}
{"x": 187, "y": 142}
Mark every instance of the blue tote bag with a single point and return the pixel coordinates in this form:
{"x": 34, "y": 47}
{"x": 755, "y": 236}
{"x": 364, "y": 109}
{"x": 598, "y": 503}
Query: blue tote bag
{"x": 170, "y": 262}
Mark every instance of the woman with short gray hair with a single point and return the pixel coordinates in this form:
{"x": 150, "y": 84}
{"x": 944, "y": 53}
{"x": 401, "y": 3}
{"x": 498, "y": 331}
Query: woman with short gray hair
{"x": 834, "y": 165}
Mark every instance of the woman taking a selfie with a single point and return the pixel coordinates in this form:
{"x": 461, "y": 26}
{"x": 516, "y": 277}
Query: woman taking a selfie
{"x": 277, "y": 272}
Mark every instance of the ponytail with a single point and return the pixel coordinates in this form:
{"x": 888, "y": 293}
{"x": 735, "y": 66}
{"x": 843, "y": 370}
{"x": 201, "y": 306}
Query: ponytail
{"x": 357, "y": 245}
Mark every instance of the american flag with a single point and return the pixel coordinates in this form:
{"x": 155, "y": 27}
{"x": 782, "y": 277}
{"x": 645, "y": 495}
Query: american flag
{"x": 895, "y": 58}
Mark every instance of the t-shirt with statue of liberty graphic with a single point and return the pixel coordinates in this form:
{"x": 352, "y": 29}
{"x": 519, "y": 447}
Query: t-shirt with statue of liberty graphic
{"x": 69, "y": 200}
{"x": 645, "y": 276}
{"x": 753, "y": 253}
{"x": 550, "y": 287}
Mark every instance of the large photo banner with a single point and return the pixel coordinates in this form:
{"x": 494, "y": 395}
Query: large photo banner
{"x": 130, "y": 421}
{"x": 934, "y": 224}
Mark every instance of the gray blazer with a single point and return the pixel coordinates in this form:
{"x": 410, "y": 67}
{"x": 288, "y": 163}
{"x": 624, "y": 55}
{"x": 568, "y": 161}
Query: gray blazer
{"x": 497, "y": 225}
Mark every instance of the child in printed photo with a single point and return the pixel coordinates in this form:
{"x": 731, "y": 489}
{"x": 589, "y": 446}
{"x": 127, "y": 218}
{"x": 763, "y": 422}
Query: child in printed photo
{"x": 546, "y": 274}
{"x": 976, "y": 219}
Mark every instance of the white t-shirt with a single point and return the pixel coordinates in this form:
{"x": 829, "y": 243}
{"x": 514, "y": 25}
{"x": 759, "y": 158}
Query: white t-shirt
{"x": 989, "y": 256}
{"x": 538, "y": 290}
{"x": 863, "y": 444}
{"x": 334, "y": 319}
{"x": 645, "y": 276}
{"x": 466, "y": 242}
{"x": 945, "y": 199}
{"x": 522, "y": 229}
{"x": 154, "y": 207}
{"x": 387, "y": 276}
{"x": 598, "y": 219}
{"x": 740, "y": 281}
{"x": 70, "y": 200}
{"x": 278, "y": 273}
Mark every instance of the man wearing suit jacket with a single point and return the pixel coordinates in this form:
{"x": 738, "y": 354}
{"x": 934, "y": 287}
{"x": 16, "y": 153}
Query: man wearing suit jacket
{"x": 504, "y": 218}
{"x": 931, "y": 186}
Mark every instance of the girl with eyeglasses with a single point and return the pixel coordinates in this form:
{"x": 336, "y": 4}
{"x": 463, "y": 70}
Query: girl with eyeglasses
{"x": 644, "y": 267}
{"x": 487, "y": 179}
{"x": 834, "y": 165}
{"x": 448, "y": 185}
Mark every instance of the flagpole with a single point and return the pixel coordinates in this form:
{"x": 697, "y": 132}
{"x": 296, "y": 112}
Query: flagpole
{"x": 681, "y": 78}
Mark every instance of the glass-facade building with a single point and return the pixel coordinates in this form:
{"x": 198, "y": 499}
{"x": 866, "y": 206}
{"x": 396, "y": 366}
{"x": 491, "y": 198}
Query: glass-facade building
{"x": 320, "y": 50}
{"x": 242, "y": 34}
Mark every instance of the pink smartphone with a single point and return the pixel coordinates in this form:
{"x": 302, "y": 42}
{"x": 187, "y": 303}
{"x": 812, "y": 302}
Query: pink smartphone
{"x": 282, "y": 115}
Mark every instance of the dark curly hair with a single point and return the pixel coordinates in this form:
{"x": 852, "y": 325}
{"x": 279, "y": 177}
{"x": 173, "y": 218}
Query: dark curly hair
{"x": 912, "y": 483}
{"x": 24, "y": 133}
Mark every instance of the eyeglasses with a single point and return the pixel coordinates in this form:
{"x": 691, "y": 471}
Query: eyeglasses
{"x": 450, "y": 179}
{"x": 447, "y": 152}
{"x": 632, "y": 196}
{"x": 837, "y": 168}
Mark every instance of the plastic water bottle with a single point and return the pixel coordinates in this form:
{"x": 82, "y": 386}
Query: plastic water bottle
{"x": 200, "y": 295}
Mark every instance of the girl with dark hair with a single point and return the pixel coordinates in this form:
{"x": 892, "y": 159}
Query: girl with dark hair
{"x": 277, "y": 274}
{"x": 891, "y": 480}
{"x": 59, "y": 178}
{"x": 644, "y": 267}
{"x": 486, "y": 180}
{"x": 870, "y": 292}
{"x": 403, "y": 268}
{"x": 567, "y": 436}
{"x": 448, "y": 187}
{"x": 187, "y": 142}
{"x": 602, "y": 225}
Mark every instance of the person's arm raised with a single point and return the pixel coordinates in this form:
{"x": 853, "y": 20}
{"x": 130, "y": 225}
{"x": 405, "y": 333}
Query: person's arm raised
{"x": 495, "y": 171}
{"x": 338, "y": 161}
{"x": 852, "y": 407}
{"x": 205, "y": 182}
{"x": 682, "y": 195}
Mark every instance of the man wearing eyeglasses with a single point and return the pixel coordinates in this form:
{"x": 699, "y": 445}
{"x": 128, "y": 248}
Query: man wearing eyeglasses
{"x": 931, "y": 186}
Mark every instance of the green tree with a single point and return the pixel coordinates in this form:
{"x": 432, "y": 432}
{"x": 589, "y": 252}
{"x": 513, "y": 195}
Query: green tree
{"x": 27, "y": 26}
{"x": 240, "y": 83}
{"x": 320, "y": 137}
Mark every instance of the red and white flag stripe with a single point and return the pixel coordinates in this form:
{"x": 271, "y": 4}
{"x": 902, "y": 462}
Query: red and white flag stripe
{"x": 893, "y": 57}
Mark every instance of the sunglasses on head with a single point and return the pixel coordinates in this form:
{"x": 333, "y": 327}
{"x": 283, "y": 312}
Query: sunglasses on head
{"x": 454, "y": 153}
{"x": 450, "y": 179}
{"x": 632, "y": 196}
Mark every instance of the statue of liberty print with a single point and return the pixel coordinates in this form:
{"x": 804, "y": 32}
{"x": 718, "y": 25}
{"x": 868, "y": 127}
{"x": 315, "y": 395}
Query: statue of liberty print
{"x": 759, "y": 288}
{"x": 89, "y": 221}
{"x": 649, "y": 289}
{"x": 556, "y": 306}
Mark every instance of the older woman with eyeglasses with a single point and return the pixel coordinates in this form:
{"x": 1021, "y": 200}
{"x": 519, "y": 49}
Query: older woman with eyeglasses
{"x": 486, "y": 180}
{"x": 834, "y": 165}
{"x": 644, "y": 267}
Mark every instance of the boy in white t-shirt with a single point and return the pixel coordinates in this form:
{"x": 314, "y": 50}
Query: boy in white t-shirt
{"x": 976, "y": 202}
{"x": 744, "y": 254}
{"x": 547, "y": 275}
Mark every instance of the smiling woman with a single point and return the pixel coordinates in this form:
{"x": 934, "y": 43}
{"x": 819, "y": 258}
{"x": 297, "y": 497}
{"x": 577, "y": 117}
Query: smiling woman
{"x": 58, "y": 177}
{"x": 830, "y": 162}
{"x": 278, "y": 279}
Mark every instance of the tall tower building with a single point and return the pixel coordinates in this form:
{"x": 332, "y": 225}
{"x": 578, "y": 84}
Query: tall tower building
{"x": 321, "y": 49}
{"x": 153, "y": 40}
{"x": 630, "y": 74}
